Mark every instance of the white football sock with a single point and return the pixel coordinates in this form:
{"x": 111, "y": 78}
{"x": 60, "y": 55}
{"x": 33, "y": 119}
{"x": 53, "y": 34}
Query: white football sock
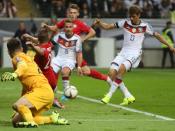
{"x": 65, "y": 83}
{"x": 112, "y": 89}
{"x": 124, "y": 90}
{"x": 109, "y": 80}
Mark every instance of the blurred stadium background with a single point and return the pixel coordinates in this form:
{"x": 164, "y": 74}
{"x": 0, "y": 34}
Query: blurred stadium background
{"x": 156, "y": 96}
{"x": 33, "y": 12}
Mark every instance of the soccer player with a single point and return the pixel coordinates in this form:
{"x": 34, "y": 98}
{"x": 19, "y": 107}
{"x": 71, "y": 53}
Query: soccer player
{"x": 37, "y": 95}
{"x": 43, "y": 58}
{"x": 79, "y": 29}
{"x": 69, "y": 53}
{"x": 130, "y": 54}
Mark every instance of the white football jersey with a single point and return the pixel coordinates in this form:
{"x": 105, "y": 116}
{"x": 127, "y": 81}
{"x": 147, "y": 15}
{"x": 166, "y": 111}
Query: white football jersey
{"x": 133, "y": 35}
{"x": 68, "y": 47}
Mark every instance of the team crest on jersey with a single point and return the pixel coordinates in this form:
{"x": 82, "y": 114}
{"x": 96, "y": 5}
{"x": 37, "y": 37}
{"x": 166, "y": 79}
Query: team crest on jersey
{"x": 74, "y": 25}
{"x": 140, "y": 29}
{"x": 133, "y": 30}
{"x": 66, "y": 43}
{"x": 130, "y": 28}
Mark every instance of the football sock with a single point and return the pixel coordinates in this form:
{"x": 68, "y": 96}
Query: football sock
{"x": 112, "y": 89}
{"x": 118, "y": 81}
{"x": 43, "y": 119}
{"x": 65, "y": 80}
{"x": 97, "y": 75}
{"x": 25, "y": 113}
{"x": 57, "y": 76}
{"x": 124, "y": 90}
{"x": 109, "y": 80}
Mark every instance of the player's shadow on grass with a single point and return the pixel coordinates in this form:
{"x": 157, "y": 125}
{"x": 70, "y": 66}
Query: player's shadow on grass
{"x": 5, "y": 123}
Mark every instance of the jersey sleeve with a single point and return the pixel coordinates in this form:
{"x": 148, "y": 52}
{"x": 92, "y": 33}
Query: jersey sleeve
{"x": 60, "y": 24}
{"x": 149, "y": 29}
{"x": 55, "y": 38}
{"x": 79, "y": 45}
{"x": 84, "y": 27}
{"x": 120, "y": 23}
{"x": 20, "y": 65}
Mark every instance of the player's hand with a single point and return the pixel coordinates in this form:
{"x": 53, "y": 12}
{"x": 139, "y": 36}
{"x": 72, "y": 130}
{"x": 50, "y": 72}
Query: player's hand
{"x": 172, "y": 49}
{"x": 96, "y": 22}
{"x": 7, "y": 76}
{"x": 43, "y": 25}
{"x": 30, "y": 44}
{"x": 26, "y": 36}
{"x": 82, "y": 39}
{"x": 79, "y": 70}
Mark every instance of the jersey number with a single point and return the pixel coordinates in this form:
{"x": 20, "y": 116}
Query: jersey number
{"x": 66, "y": 51}
{"x": 132, "y": 37}
{"x": 48, "y": 62}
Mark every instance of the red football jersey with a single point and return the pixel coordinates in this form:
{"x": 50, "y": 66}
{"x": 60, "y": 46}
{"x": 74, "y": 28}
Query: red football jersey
{"x": 44, "y": 61}
{"x": 79, "y": 26}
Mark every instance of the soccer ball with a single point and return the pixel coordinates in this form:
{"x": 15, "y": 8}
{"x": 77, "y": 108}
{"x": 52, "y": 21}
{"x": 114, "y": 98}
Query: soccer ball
{"x": 71, "y": 92}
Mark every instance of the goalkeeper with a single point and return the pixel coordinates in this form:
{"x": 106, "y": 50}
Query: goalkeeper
{"x": 37, "y": 95}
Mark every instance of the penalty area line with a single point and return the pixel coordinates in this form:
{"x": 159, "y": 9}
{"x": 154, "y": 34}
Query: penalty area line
{"x": 128, "y": 109}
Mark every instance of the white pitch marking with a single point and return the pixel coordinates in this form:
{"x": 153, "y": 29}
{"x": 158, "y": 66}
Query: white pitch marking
{"x": 126, "y": 108}
{"x": 129, "y": 109}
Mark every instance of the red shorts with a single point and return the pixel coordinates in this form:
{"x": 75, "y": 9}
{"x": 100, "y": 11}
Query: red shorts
{"x": 49, "y": 74}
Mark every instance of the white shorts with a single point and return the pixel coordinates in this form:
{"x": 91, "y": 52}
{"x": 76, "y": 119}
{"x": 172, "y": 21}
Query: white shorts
{"x": 59, "y": 63}
{"x": 129, "y": 61}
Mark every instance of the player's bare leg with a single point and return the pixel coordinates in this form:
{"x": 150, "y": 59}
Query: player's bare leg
{"x": 53, "y": 83}
{"x": 65, "y": 77}
{"x": 56, "y": 102}
{"x": 65, "y": 80}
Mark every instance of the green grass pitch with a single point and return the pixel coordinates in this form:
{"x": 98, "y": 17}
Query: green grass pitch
{"x": 154, "y": 90}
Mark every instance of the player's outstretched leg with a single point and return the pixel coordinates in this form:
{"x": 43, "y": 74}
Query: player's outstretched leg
{"x": 54, "y": 118}
{"x": 128, "y": 97}
{"x": 57, "y": 119}
{"x": 108, "y": 96}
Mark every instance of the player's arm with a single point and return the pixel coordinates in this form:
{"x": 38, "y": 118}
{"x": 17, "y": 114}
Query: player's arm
{"x": 162, "y": 40}
{"x": 20, "y": 70}
{"x": 37, "y": 49}
{"x": 79, "y": 58}
{"x": 31, "y": 38}
{"x": 52, "y": 28}
{"x": 89, "y": 35}
{"x": 103, "y": 25}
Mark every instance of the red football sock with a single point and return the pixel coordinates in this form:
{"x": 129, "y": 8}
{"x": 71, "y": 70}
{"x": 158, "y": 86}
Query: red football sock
{"x": 118, "y": 81}
{"x": 97, "y": 75}
{"x": 57, "y": 76}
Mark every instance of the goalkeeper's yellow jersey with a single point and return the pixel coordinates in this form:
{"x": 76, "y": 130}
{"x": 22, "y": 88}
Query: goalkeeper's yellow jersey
{"x": 28, "y": 72}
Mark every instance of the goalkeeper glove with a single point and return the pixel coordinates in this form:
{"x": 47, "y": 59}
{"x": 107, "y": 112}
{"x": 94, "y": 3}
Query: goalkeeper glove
{"x": 7, "y": 76}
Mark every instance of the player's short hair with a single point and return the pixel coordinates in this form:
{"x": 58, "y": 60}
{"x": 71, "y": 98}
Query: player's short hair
{"x": 168, "y": 23}
{"x": 43, "y": 35}
{"x": 74, "y": 6}
{"x": 67, "y": 21}
{"x": 134, "y": 10}
{"x": 13, "y": 44}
